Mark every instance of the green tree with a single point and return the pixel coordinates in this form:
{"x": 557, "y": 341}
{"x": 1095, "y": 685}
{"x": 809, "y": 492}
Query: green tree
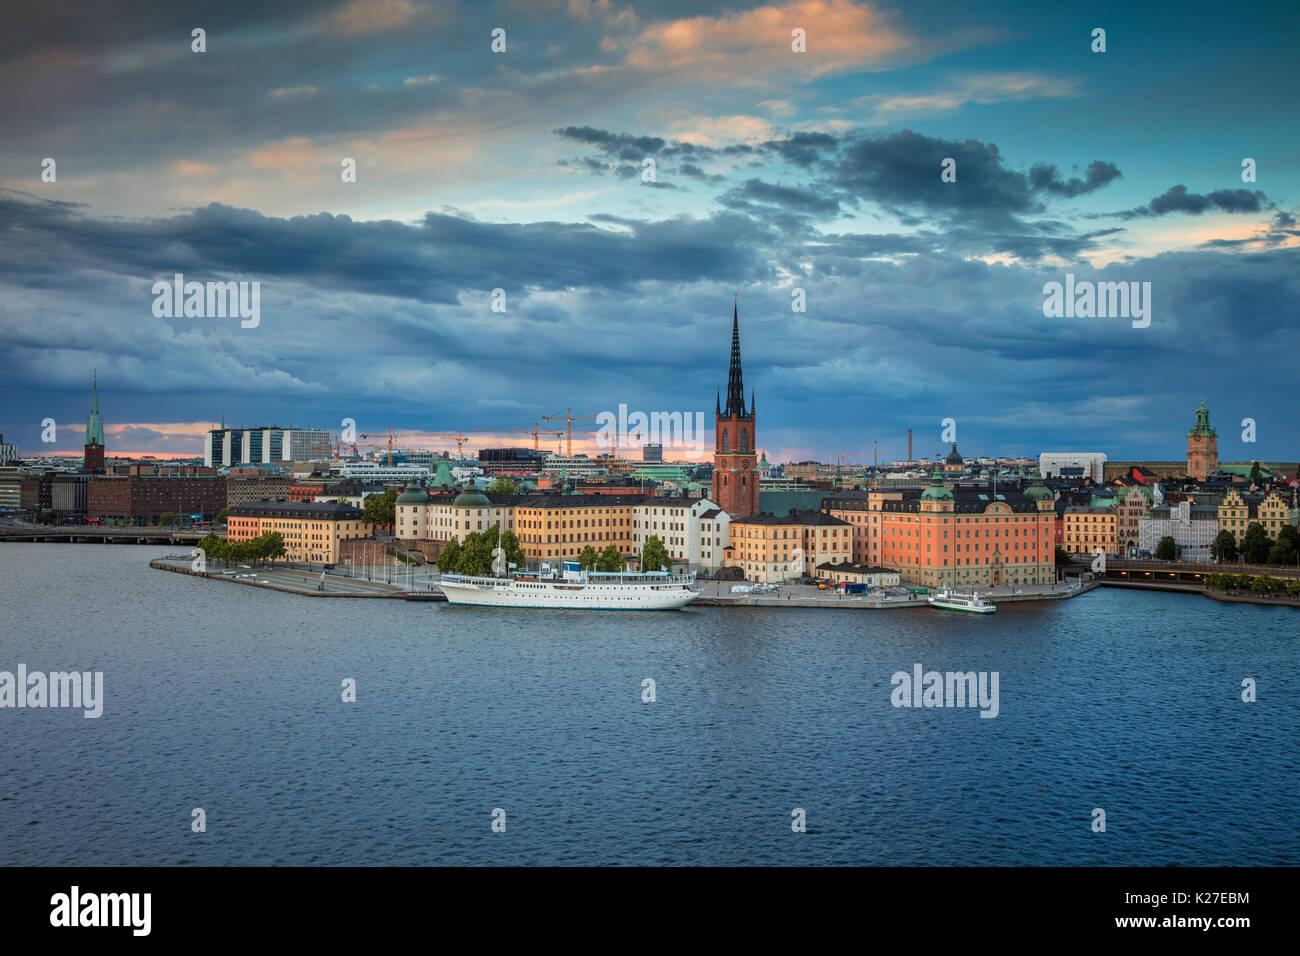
{"x": 222, "y": 515}
{"x": 381, "y": 509}
{"x": 502, "y": 485}
{"x": 587, "y": 560}
{"x": 1224, "y": 547}
{"x": 1254, "y": 472}
{"x": 1291, "y": 535}
{"x": 449, "y": 557}
{"x": 1255, "y": 544}
{"x": 1293, "y": 588}
{"x": 654, "y": 555}
{"x": 167, "y": 519}
{"x": 275, "y": 548}
{"x": 1167, "y": 549}
{"x": 476, "y": 554}
{"x": 611, "y": 560}
{"x": 1063, "y": 558}
{"x": 1264, "y": 584}
{"x": 514, "y": 550}
{"x": 1281, "y": 553}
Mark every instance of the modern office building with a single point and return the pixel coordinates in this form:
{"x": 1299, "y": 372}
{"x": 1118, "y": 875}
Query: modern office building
{"x": 265, "y": 445}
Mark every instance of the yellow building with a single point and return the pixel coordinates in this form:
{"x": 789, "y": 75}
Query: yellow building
{"x": 312, "y": 531}
{"x": 1237, "y": 512}
{"x": 1084, "y": 530}
{"x": 769, "y": 549}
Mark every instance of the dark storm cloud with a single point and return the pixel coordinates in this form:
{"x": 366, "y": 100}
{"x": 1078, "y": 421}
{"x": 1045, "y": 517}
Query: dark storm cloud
{"x": 790, "y": 198}
{"x": 432, "y": 261}
{"x": 1044, "y": 176}
{"x": 1179, "y": 199}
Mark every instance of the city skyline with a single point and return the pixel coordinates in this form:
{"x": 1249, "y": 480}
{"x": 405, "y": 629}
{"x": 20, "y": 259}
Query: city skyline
{"x": 774, "y": 171}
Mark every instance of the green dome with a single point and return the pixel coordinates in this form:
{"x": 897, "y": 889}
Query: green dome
{"x": 471, "y": 498}
{"x": 413, "y": 495}
{"x": 442, "y": 477}
{"x": 1037, "y": 490}
{"x": 936, "y": 491}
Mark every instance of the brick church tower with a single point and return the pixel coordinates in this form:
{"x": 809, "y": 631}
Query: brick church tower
{"x": 94, "y": 460}
{"x": 1202, "y": 446}
{"x": 735, "y": 477}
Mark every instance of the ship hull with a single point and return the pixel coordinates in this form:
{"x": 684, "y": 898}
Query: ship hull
{"x": 608, "y": 597}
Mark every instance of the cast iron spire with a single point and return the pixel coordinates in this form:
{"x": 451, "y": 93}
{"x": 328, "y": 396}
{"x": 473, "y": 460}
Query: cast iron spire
{"x": 735, "y": 380}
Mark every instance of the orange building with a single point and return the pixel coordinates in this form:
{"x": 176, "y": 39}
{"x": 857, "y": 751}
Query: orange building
{"x": 970, "y": 537}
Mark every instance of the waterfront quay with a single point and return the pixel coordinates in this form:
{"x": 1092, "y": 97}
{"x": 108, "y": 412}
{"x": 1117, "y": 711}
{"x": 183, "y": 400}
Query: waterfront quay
{"x": 719, "y": 594}
{"x": 288, "y": 579}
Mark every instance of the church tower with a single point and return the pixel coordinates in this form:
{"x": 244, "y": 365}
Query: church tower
{"x": 735, "y": 474}
{"x": 1202, "y": 446}
{"x": 94, "y": 460}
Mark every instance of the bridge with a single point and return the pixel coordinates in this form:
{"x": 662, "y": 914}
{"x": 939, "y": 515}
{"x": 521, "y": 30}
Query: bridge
{"x": 1180, "y": 575}
{"x": 88, "y": 535}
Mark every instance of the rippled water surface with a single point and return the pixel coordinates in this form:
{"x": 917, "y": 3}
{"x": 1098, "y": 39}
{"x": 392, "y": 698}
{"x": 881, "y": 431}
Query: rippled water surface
{"x": 228, "y": 698}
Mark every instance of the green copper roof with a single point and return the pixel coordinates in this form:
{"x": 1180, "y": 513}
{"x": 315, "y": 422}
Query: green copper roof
{"x": 442, "y": 476}
{"x": 937, "y": 490}
{"x": 470, "y": 498}
{"x": 94, "y": 427}
{"x": 413, "y": 494}
{"x": 1202, "y": 426}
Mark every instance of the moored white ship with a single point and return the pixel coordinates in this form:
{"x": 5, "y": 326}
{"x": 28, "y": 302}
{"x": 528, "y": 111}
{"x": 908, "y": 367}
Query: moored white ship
{"x": 625, "y": 591}
{"x": 957, "y": 601}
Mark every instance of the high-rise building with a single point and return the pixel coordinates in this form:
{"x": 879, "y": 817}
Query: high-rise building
{"x": 1202, "y": 446}
{"x": 735, "y": 479}
{"x": 652, "y": 452}
{"x": 266, "y": 445}
{"x": 94, "y": 453}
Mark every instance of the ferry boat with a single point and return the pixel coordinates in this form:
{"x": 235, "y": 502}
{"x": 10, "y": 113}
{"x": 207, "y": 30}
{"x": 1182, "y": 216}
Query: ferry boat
{"x": 574, "y": 588}
{"x": 950, "y": 600}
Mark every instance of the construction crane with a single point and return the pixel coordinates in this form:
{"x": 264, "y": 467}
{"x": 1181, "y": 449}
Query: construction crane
{"x": 536, "y": 431}
{"x": 390, "y": 436}
{"x": 569, "y": 418}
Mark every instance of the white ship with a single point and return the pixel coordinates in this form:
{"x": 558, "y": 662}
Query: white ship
{"x": 957, "y": 601}
{"x": 575, "y": 588}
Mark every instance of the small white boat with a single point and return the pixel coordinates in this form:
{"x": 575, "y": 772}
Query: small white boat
{"x": 972, "y": 603}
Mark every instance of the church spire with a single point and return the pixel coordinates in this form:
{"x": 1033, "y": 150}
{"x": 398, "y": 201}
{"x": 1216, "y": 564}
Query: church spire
{"x": 735, "y": 379}
{"x": 94, "y": 427}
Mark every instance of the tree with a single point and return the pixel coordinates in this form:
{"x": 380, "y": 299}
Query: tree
{"x": 654, "y": 555}
{"x": 1264, "y": 584}
{"x": 501, "y": 485}
{"x": 587, "y": 560}
{"x": 1167, "y": 549}
{"x": 1281, "y": 553}
{"x": 222, "y": 515}
{"x": 1224, "y": 547}
{"x": 1255, "y": 544}
{"x": 611, "y": 560}
{"x": 381, "y": 509}
{"x": 274, "y": 545}
{"x": 167, "y": 519}
{"x": 1254, "y": 472}
{"x": 1293, "y": 588}
{"x": 449, "y": 557}
{"x": 476, "y": 553}
{"x": 514, "y": 550}
{"x": 1291, "y": 535}
{"x": 1063, "y": 558}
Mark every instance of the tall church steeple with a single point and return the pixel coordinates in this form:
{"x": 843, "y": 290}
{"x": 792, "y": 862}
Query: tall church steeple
{"x": 735, "y": 477}
{"x": 94, "y": 448}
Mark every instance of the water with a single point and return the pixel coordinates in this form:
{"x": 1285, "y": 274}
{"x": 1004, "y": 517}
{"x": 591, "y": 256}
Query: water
{"x": 229, "y": 698}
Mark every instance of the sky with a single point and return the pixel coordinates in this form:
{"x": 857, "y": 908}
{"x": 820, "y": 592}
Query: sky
{"x": 778, "y": 175}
